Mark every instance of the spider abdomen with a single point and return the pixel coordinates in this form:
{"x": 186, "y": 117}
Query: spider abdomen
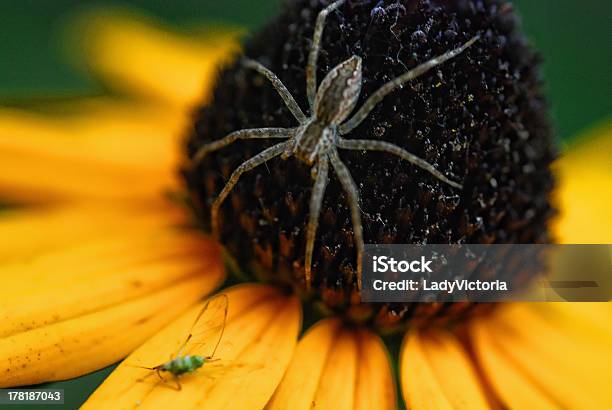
{"x": 339, "y": 91}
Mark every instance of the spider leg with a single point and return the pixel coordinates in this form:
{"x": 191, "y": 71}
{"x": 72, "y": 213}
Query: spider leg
{"x": 382, "y": 92}
{"x": 251, "y": 133}
{"x": 279, "y": 86}
{"x": 257, "y": 160}
{"x": 316, "y": 198}
{"x": 383, "y": 146}
{"x": 313, "y": 55}
{"x": 350, "y": 188}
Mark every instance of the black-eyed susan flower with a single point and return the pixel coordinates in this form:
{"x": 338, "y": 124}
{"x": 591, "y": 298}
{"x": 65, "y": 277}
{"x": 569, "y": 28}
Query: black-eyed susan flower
{"x": 97, "y": 264}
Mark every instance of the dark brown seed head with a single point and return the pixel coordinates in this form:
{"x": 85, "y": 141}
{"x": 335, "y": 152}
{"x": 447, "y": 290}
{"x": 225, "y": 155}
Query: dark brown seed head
{"x": 480, "y": 119}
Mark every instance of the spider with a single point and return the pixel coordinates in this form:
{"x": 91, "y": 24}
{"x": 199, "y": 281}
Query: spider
{"x": 317, "y": 137}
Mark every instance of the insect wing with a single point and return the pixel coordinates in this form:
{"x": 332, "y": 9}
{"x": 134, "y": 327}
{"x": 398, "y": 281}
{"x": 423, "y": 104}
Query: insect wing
{"x": 229, "y": 370}
{"x": 207, "y": 330}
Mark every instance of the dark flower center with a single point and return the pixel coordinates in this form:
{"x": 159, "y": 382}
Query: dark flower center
{"x": 480, "y": 119}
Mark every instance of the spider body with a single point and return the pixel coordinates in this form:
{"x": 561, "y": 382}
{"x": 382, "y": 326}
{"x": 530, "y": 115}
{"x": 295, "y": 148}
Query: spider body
{"x": 317, "y": 137}
{"x": 320, "y": 133}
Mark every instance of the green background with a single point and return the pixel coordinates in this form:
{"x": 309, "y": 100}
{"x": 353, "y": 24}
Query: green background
{"x": 573, "y": 37}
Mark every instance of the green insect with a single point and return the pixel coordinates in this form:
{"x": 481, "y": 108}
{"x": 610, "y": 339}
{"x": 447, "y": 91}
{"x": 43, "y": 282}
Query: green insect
{"x": 189, "y": 357}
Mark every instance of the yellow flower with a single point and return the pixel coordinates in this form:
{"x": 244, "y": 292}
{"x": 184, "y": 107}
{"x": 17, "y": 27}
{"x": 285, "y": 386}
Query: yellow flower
{"x": 96, "y": 265}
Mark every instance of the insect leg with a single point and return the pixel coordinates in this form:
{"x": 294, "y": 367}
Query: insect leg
{"x": 251, "y": 133}
{"x": 148, "y": 374}
{"x": 162, "y": 378}
{"x": 383, "y": 146}
{"x": 257, "y": 160}
{"x": 279, "y": 86}
{"x": 382, "y": 92}
{"x": 350, "y": 187}
{"x": 313, "y": 55}
{"x": 178, "y": 383}
{"x": 316, "y": 198}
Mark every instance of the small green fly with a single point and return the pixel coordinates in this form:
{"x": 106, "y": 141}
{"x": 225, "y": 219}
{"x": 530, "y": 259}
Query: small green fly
{"x": 188, "y": 359}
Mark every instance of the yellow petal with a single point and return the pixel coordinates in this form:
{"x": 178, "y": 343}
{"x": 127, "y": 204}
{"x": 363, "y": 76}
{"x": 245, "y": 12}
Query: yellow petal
{"x": 27, "y": 232}
{"x": 436, "y": 373}
{"x": 375, "y": 383}
{"x": 135, "y": 55}
{"x": 567, "y": 368}
{"x": 339, "y": 378}
{"x": 585, "y": 191}
{"x": 514, "y": 389}
{"x": 99, "y": 273}
{"x": 85, "y": 343}
{"x": 588, "y": 321}
{"x": 303, "y": 376}
{"x": 71, "y": 309}
{"x": 260, "y": 335}
{"x": 100, "y": 152}
{"x": 337, "y": 368}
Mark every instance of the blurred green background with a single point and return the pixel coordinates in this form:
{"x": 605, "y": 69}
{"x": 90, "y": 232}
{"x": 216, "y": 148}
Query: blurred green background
{"x": 573, "y": 37}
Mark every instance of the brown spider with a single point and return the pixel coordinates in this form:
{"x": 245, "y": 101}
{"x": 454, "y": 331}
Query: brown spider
{"x": 316, "y": 139}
